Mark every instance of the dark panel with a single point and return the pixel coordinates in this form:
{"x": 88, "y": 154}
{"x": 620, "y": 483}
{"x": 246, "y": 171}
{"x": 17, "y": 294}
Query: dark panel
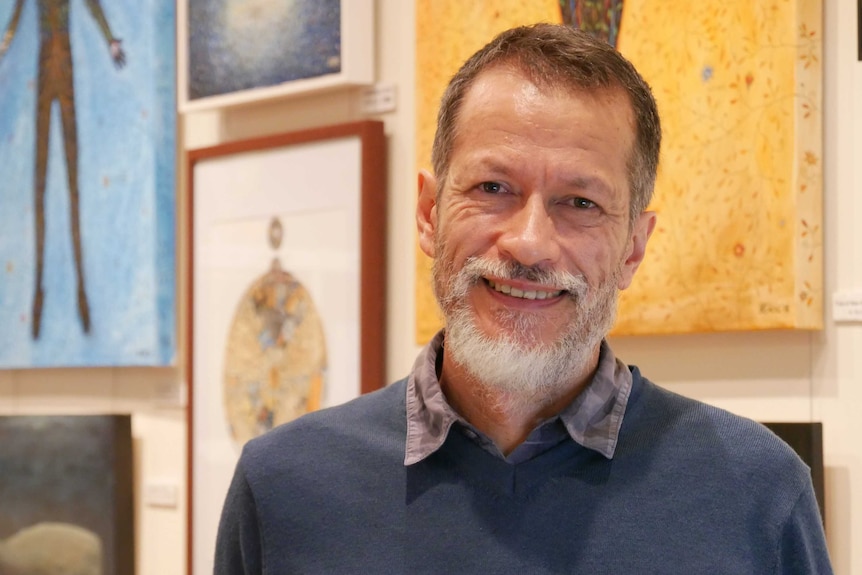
{"x": 66, "y": 486}
{"x": 807, "y": 440}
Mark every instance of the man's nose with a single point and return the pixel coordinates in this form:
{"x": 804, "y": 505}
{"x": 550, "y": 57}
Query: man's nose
{"x": 529, "y": 235}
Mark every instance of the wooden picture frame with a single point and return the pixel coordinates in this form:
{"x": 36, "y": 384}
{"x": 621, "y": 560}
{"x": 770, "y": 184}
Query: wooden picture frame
{"x": 230, "y": 55}
{"x": 327, "y": 189}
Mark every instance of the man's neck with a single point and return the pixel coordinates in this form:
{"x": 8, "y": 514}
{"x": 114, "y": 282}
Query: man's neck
{"x": 506, "y": 418}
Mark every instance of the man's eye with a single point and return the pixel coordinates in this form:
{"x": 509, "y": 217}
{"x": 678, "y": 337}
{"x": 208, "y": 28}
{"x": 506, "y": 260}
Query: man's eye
{"x": 491, "y": 187}
{"x": 582, "y": 203}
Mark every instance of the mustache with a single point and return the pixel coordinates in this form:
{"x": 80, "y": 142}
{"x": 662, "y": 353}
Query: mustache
{"x": 475, "y": 269}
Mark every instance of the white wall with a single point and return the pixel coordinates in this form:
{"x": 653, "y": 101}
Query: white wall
{"x": 767, "y": 376}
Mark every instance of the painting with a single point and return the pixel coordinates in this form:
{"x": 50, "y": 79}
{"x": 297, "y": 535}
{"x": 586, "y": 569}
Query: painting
{"x": 739, "y": 239}
{"x": 87, "y": 144}
{"x": 66, "y": 495}
{"x": 806, "y": 439}
{"x": 234, "y": 52}
{"x": 288, "y": 274}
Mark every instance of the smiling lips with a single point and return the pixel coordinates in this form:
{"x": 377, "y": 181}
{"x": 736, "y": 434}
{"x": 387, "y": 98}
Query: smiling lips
{"x": 529, "y": 294}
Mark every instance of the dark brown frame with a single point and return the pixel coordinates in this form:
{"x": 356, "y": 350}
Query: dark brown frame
{"x": 372, "y": 260}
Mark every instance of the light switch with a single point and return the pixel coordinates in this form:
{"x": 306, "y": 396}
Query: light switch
{"x": 160, "y": 493}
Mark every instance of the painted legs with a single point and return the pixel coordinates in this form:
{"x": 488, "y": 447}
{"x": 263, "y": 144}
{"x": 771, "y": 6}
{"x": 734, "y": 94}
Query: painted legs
{"x": 70, "y": 141}
{"x": 55, "y": 83}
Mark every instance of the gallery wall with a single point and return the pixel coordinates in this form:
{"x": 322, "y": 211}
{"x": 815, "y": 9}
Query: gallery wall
{"x": 788, "y": 376}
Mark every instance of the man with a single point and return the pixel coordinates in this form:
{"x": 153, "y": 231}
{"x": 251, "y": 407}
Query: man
{"x": 519, "y": 443}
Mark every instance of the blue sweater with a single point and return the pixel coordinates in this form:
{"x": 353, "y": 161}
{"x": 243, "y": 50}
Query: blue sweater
{"x": 691, "y": 489}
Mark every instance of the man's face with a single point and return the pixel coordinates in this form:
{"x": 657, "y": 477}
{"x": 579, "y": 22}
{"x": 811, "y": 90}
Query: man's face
{"x": 532, "y": 221}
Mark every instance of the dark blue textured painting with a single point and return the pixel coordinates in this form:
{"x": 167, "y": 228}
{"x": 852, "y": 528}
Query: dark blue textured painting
{"x": 87, "y": 157}
{"x": 236, "y": 45}
{"x": 66, "y": 500}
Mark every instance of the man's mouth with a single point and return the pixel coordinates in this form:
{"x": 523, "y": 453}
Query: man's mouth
{"x": 528, "y": 294}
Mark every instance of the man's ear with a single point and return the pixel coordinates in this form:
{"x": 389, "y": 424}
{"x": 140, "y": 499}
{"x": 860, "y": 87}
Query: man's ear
{"x": 426, "y": 212}
{"x": 641, "y": 232}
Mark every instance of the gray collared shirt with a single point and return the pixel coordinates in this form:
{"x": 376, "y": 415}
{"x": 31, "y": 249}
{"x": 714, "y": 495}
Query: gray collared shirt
{"x": 593, "y": 419}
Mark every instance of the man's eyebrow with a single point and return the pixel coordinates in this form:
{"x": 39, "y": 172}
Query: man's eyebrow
{"x": 487, "y": 162}
{"x": 591, "y": 183}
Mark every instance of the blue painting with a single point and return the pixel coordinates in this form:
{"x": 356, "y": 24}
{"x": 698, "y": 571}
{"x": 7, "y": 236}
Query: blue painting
{"x": 236, "y": 45}
{"x": 87, "y": 195}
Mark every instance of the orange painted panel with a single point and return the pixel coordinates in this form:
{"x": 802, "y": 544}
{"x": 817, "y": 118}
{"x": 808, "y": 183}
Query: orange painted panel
{"x": 738, "y": 244}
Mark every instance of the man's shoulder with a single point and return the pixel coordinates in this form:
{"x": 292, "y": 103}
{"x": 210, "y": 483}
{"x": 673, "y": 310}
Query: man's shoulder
{"x": 381, "y": 406}
{"x": 376, "y": 418}
{"x": 700, "y": 428}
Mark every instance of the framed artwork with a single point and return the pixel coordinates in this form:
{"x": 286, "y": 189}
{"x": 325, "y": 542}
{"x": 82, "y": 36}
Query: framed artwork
{"x": 287, "y": 254}
{"x": 87, "y": 157}
{"x": 234, "y": 52}
{"x": 739, "y": 241}
{"x": 66, "y": 494}
{"x": 806, "y": 439}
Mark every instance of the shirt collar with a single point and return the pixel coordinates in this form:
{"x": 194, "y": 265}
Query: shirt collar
{"x": 593, "y": 419}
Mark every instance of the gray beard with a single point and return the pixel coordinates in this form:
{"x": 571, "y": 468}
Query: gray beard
{"x": 517, "y": 369}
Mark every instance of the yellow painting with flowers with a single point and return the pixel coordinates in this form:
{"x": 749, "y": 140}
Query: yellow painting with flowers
{"x": 738, "y": 244}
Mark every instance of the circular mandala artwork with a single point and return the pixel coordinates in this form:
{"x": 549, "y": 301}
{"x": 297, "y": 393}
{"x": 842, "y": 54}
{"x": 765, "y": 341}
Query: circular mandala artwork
{"x": 275, "y": 363}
